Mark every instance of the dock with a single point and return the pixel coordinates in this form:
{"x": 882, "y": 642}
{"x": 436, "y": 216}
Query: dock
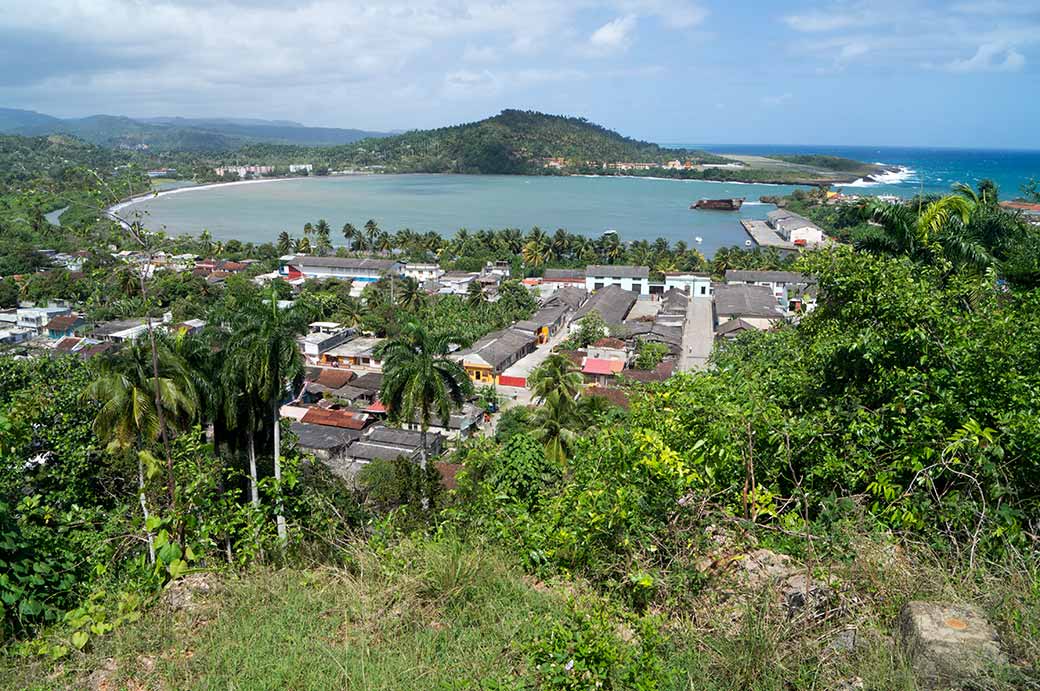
{"x": 764, "y": 236}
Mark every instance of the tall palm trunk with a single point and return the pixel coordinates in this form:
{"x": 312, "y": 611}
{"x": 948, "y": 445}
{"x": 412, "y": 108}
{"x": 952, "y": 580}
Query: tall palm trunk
{"x": 278, "y": 470}
{"x": 253, "y": 490}
{"x": 144, "y": 509}
{"x": 422, "y": 465}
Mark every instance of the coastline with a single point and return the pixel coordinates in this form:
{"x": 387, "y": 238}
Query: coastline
{"x": 137, "y": 198}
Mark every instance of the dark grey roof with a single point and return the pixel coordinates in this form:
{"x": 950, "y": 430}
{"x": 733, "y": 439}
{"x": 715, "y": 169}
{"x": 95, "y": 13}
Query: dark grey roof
{"x": 637, "y": 327}
{"x": 736, "y": 275}
{"x": 617, "y": 271}
{"x": 672, "y": 335}
{"x": 323, "y": 437}
{"x": 364, "y": 451}
{"x": 109, "y": 328}
{"x": 549, "y": 314}
{"x": 784, "y": 219}
{"x": 742, "y": 300}
{"x": 500, "y": 347}
{"x": 674, "y": 300}
{"x": 613, "y": 304}
{"x": 565, "y": 274}
{"x": 396, "y": 436}
{"x": 372, "y": 381}
{"x": 734, "y": 325}
{"x": 571, "y": 296}
{"x": 346, "y": 263}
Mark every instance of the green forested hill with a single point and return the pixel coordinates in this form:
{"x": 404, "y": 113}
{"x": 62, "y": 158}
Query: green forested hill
{"x": 513, "y": 141}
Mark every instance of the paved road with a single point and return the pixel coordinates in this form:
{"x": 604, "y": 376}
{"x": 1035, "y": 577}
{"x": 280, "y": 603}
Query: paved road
{"x": 698, "y": 335}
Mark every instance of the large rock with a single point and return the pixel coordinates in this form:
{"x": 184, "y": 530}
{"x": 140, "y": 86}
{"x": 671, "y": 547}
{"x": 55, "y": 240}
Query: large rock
{"x": 948, "y": 644}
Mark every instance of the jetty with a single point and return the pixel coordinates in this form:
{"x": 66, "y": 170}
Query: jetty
{"x": 762, "y": 235}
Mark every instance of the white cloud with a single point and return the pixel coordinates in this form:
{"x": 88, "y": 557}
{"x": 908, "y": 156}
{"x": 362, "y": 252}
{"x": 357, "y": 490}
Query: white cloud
{"x": 677, "y": 14}
{"x": 990, "y": 58}
{"x": 778, "y": 100}
{"x": 614, "y": 35}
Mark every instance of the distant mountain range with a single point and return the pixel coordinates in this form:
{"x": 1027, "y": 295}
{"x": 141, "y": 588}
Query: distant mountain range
{"x": 175, "y": 133}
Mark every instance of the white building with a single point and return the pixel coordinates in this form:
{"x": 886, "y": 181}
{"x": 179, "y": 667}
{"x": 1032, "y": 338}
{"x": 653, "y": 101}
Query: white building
{"x": 794, "y": 228}
{"x": 786, "y": 285}
{"x": 323, "y": 337}
{"x": 690, "y": 282}
{"x": 346, "y": 268}
{"x": 632, "y": 278}
{"x": 301, "y": 167}
{"x": 36, "y": 318}
{"x": 423, "y": 272}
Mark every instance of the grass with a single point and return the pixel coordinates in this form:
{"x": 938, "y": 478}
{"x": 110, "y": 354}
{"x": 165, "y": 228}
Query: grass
{"x": 440, "y": 614}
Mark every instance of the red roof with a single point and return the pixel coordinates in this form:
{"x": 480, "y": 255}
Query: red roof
{"x": 334, "y": 378}
{"x": 601, "y": 366}
{"x": 376, "y": 407}
{"x": 64, "y": 322}
{"x": 1021, "y": 206}
{"x": 609, "y": 342}
{"x": 334, "y": 418}
{"x": 67, "y": 344}
{"x": 615, "y": 396}
{"x": 233, "y": 266}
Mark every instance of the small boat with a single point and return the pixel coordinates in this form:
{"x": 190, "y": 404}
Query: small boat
{"x": 718, "y": 204}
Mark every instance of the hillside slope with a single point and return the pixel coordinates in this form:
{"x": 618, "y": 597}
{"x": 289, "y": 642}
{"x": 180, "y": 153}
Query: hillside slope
{"x": 175, "y": 134}
{"x": 513, "y": 141}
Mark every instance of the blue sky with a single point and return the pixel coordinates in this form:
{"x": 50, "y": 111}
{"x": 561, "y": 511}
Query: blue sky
{"x": 808, "y": 72}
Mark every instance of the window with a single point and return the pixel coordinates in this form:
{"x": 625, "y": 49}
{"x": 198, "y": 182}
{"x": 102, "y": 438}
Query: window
{"x": 703, "y": 290}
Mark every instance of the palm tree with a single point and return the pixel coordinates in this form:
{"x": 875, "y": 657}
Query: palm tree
{"x": 270, "y": 358}
{"x": 130, "y": 393}
{"x": 555, "y": 423}
{"x": 556, "y": 374}
{"x": 303, "y": 245}
{"x": 285, "y": 243}
{"x": 475, "y": 294}
{"x": 411, "y": 296}
{"x": 420, "y": 382}
{"x": 371, "y": 232}
{"x": 349, "y": 233}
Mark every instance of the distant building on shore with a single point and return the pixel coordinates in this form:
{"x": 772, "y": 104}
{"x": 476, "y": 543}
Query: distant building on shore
{"x": 244, "y": 171}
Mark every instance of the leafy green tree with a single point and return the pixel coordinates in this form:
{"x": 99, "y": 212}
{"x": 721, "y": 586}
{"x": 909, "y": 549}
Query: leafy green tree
{"x": 649, "y": 354}
{"x": 556, "y": 374}
{"x": 285, "y": 243}
{"x": 266, "y": 340}
{"x": 128, "y": 419}
{"x": 419, "y": 381}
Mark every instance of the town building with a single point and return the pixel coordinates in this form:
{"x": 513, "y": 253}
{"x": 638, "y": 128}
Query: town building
{"x": 690, "y": 282}
{"x": 545, "y": 323}
{"x": 756, "y": 305}
{"x": 787, "y": 286}
{"x": 64, "y": 325}
{"x": 613, "y": 304}
{"x": 423, "y": 272}
{"x": 322, "y": 337}
{"x": 358, "y": 353}
{"x": 36, "y": 319}
{"x": 346, "y": 268}
{"x": 634, "y": 279}
{"x": 490, "y": 356}
{"x": 601, "y": 372}
{"x": 564, "y": 277}
{"x": 796, "y": 229}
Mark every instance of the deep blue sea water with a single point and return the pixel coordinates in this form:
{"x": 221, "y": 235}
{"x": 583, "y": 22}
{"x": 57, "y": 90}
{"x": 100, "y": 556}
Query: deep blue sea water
{"x": 931, "y": 170}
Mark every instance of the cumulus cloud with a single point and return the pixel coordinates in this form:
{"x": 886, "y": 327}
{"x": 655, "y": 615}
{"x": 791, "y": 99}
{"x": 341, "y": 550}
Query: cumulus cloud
{"x": 614, "y": 35}
{"x": 918, "y": 34}
{"x": 990, "y": 58}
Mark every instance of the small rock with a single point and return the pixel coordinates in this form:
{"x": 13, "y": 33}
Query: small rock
{"x": 948, "y": 644}
{"x": 844, "y": 642}
{"x": 801, "y": 594}
{"x": 762, "y": 566}
{"x": 853, "y": 684}
{"x": 184, "y": 593}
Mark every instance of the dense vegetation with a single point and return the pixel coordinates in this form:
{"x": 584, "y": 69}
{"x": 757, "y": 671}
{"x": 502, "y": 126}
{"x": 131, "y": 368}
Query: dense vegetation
{"x": 174, "y": 134}
{"x": 886, "y": 442}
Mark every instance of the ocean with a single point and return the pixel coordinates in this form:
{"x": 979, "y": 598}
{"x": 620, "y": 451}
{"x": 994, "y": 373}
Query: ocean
{"x": 931, "y": 170}
{"x": 637, "y": 208}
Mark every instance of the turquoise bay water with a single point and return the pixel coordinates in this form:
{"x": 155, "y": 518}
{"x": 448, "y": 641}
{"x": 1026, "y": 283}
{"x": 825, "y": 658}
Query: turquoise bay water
{"x": 636, "y": 208}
